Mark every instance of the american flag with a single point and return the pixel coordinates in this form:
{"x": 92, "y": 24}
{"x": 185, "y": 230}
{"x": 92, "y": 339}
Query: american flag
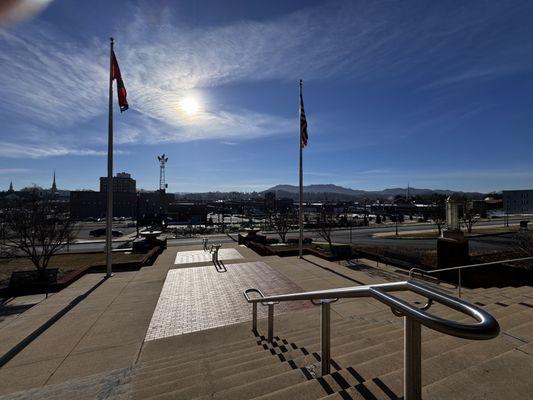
{"x": 303, "y": 121}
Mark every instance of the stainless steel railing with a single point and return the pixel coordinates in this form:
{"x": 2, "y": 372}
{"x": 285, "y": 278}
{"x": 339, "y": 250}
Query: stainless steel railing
{"x": 459, "y": 268}
{"x": 485, "y": 328}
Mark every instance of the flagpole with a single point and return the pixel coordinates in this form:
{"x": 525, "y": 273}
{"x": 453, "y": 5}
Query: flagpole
{"x": 300, "y": 212}
{"x": 109, "y": 214}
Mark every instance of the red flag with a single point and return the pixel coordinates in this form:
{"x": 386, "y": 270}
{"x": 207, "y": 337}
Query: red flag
{"x": 121, "y": 90}
{"x": 304, "y": 137}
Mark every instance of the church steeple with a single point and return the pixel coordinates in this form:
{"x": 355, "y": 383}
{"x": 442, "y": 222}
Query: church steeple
{"x": 54, "y": 187}
{"x": 11, "y": 187}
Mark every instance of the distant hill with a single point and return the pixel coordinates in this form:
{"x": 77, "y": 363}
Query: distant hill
{"x": 327, "y": 188}
{"x": 335, "y": 192}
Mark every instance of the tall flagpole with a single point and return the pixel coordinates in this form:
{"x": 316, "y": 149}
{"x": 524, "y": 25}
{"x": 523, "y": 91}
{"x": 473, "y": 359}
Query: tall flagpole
{"x": 300, "y": 212}
{"x": 109, "y": 214}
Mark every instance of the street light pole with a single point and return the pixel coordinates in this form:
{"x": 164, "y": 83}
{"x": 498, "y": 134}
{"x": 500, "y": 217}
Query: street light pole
{"x": 137, "y": 219}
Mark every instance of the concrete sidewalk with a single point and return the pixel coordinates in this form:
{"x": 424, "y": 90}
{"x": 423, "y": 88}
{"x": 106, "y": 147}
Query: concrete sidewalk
{"x": 103, "y": 332}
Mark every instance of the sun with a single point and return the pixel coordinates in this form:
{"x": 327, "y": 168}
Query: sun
{"x": 190, "y": 106}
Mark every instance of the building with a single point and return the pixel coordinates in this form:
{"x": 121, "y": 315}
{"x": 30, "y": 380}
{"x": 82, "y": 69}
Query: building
{"x": 483, "y": 207}
{"x": 518, "y": 201}
{"x": 122, "y": 183}
{"x": 187, "y": 213}
{"x": 89, "y": 204}
{"x": 127, "y": 202}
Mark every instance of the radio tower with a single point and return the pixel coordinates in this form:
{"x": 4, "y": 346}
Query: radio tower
{"x": 162, "y": 162}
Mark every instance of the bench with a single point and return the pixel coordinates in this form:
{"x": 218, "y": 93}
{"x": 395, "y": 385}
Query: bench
{"x": 33, "y": 281}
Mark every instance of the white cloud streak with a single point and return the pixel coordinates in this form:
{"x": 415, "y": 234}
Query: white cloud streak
{"x": 51, "y": 82}
{"x": 14, "y": 150}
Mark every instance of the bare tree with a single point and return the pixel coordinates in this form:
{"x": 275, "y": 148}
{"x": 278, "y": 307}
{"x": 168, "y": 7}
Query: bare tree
{"x": 282, "y": 225}
{"x": 468, "y": 217}
{"x": 523, "y": 243}
{"x": 35, "y": 230}
{"x": 437, "y": 213}
{"x": 325, "y": 226}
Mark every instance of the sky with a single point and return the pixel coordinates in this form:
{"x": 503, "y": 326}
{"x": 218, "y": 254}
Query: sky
{"x": 431, "y": 94}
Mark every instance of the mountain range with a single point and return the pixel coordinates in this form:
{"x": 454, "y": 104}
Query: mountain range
{"x": 335, "y": 192}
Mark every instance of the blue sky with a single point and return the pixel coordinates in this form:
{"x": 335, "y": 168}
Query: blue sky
{"x": 437, "y": 94}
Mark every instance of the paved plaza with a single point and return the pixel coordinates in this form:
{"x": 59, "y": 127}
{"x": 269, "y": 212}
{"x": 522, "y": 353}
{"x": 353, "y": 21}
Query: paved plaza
{"x": 195, "y": 299}
{"x": 202, "y": 256}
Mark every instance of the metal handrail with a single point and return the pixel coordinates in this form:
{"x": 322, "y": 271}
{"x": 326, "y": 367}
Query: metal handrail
{"x": 485, "y": 328}
{"x": 461, "y": 267}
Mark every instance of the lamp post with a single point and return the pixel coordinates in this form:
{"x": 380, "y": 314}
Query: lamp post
{"x": 137, "y": 219}
{"x": 396, "y": 223}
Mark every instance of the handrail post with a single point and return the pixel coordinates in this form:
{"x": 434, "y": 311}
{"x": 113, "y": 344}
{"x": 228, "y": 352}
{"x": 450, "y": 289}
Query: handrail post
{"x": 459, "y": 282}
{"x": 412, "y": 360}
{"x": 254, "y": 317}
{"x": 325, "y": 337}
{"x": 270, "y": 322}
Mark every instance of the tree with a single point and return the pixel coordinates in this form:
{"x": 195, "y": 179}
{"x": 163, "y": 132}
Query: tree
{"x": 469, "y": 217}
{"x": 35, "y": 230}
{"x": 325, "y": 226}
{"x": 437, "y": 213}
{"x": 282, "y": 225}
{"x": 523, "y": 243}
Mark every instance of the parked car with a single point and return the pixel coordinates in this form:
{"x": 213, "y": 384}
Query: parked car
{"x": 102, "y": 232}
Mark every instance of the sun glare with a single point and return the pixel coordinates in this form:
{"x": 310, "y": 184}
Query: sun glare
{"x": 190, "y": 106}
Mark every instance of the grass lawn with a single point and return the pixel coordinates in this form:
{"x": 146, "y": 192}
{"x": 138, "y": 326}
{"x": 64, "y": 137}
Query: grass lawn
{"x": 65, "y": 262}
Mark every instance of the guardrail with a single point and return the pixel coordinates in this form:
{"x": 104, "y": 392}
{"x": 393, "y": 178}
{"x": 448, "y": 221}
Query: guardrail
{"x": 459, "y": 268}
{"x": 485, "y": 328}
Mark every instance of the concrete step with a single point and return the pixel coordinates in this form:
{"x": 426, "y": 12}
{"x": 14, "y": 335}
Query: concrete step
{"x": 235, "y": 354}
{"x": 161, "y": 381}
{"x": 340, "y": 345}
{"x": 244, "y": 391}
{"x": 310, "y": 389}
{"x": 212, "y": 340}
{"x": 338, "y": 385}
{"x": 497, "y": 290}
{"x": 502, "y": 300}
{"x": 523, "y": 332}
{"x": 436, "y": 366}
{"x": 506, "y": 376}
{"x": 208, "y": 381}
{"x": 369, "y": 390}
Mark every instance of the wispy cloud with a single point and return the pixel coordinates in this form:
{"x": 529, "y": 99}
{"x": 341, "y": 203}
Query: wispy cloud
{"x": 14, "y": 150}
{"x": 57, "y": 84}
{"x": 13, "y": 171}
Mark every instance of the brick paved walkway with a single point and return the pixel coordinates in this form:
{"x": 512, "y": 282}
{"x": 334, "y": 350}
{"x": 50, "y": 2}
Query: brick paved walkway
{"x": 195, "y": 299}
{"x": 199, "y": 256}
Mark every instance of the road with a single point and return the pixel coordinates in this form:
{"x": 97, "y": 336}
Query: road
{"x": 360, "y": 235}
{"x": 364, "y": 236}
